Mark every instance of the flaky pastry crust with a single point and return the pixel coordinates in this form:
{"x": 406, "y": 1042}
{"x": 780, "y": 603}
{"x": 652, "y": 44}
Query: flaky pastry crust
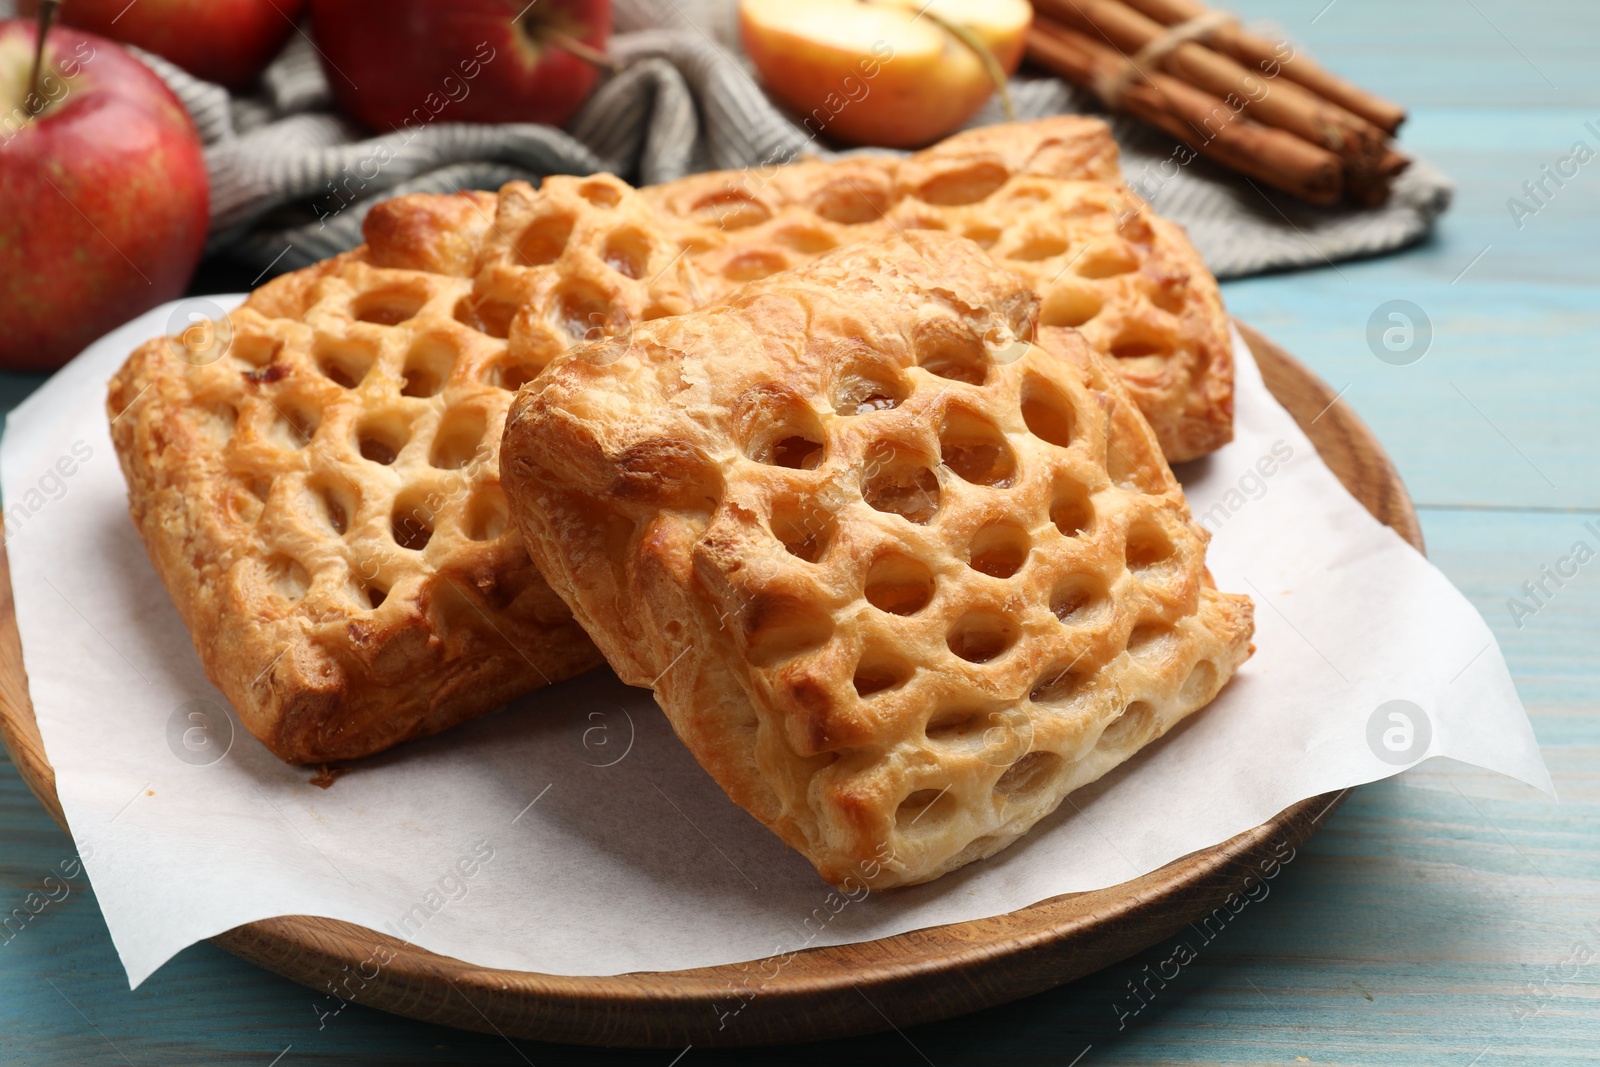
{"x": 338, "y": 642}
{"x": 900, "y": 579}
{"x": 1046, "y": 199}
{"x": 321, "y": 496}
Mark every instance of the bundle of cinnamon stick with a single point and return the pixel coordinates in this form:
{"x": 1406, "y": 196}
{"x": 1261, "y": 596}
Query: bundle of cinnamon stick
{"x": 1250, "y": 104}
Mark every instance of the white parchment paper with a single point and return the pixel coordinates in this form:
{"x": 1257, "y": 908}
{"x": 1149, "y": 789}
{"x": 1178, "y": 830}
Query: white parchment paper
{"x": 572, "y": 834}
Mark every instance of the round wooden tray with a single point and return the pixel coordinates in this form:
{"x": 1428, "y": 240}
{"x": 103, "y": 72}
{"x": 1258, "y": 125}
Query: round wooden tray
{"x": 826, "y": 992}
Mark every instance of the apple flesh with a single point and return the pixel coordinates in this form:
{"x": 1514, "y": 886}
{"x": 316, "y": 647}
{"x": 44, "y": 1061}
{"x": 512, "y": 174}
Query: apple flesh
{"x": 103, "y": 195}
{"x": 881, "y": 73}
{"x": 405, "y": 63}
{"x": 225, "y": 41}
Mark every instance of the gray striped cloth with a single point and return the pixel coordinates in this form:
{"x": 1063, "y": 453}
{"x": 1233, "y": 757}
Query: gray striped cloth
{"x": 291, "y": 178}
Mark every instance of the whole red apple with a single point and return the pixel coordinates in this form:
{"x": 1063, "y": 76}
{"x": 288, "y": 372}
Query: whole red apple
{"x": 226, "y": 41}
{"x": 103, "y": 195}
{"x": 406, "y": 63}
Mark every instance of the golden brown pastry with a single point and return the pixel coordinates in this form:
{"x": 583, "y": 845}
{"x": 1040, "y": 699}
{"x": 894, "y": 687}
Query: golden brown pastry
{"x": 1046, "y": 199}
{"x": 322, "y": 499}
{"x": 900, "y": 579}
{"x": 284, "y": 490}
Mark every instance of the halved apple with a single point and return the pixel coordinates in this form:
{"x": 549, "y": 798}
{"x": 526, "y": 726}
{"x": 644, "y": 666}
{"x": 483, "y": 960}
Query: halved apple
{"x": 885, "y": 72}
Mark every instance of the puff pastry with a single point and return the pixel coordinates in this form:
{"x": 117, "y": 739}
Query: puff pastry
{"x": 1046, "y": 200}
{"x": 900, "y": 579}
{"x": 322, "y": 499}
{"x": 284, "y": 492}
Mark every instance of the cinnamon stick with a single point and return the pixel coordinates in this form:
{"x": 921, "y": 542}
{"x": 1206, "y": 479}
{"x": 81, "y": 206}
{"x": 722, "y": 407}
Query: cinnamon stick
{"x": 1253, "y": 50}
{"x": 1285, "y": 105}
{"x": 1202, "y": 120}
{"x": 1376, "y": 193}
{"x": 1275, "y": 102}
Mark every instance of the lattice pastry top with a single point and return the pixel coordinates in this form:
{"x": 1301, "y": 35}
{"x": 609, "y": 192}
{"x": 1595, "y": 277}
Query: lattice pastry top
{"x": 320, "y": 491}
{"x": 1046, "y": 199}
{"x": 900, "y": 580}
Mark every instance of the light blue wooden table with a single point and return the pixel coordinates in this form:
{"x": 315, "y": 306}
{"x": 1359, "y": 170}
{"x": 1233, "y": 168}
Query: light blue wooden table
{"x": 1444, "y": 917}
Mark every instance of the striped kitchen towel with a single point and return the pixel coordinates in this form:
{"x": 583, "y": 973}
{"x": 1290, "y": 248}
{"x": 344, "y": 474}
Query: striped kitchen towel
{"x": 291, "y": 178}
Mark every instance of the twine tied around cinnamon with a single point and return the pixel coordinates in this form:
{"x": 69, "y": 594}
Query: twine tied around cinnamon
{"x": 1111, "y": 87}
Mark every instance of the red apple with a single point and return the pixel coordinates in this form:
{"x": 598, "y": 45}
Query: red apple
{"x": 395, "y": 63}
{"x": 226, "y": 41}
{"x": 103, "y": 195}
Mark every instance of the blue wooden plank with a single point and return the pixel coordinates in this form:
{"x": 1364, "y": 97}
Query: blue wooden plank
{"x": 1497, "y": 413}
{"x": 1555, "y": 651}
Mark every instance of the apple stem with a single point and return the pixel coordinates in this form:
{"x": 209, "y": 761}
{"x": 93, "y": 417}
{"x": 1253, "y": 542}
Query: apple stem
{"x": 991, "y": 65}
{"x": 47, "y": 14}
{"x": 568, "y": 43}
